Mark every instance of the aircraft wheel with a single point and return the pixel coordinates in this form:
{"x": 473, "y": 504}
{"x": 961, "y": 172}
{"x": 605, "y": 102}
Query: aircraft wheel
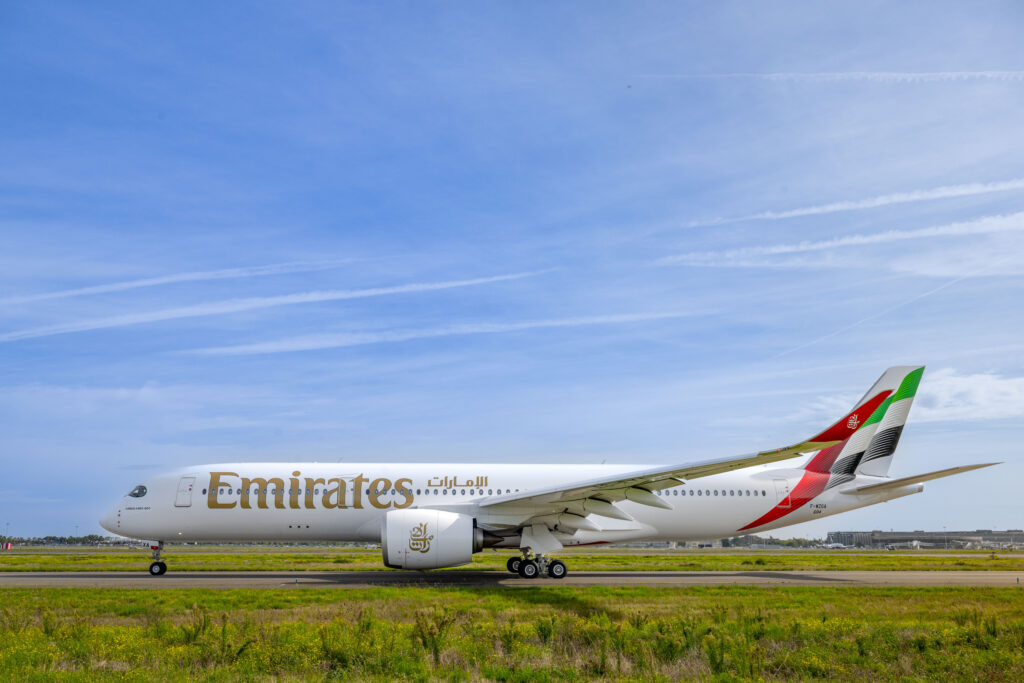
{"x": 528, "y": 569}
{"x": 557, "y": 569}
{"x": 157, "y": 569}
{"x": 513, "y": 564}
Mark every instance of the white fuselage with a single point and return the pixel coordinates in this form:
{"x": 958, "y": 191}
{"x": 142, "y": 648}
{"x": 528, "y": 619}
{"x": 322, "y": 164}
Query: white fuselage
{"x": 347, "y": 501}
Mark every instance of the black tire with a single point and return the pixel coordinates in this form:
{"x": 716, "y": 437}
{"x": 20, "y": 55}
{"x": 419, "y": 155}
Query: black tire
{"x": 157, "y": 569}
{"x": 528, "y": 569}
{"x": 513, "y": 564}
{"x": 557, "y": 569}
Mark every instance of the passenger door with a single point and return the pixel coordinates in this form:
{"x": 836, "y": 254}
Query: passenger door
{"x": 184, "y": 498}
{"x": 782, "y": 492}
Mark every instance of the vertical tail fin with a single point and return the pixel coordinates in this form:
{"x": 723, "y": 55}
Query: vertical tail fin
{"x": 848, "y": 425}
{"x": 875, "y": 427}
{"x": 878, "y": 456}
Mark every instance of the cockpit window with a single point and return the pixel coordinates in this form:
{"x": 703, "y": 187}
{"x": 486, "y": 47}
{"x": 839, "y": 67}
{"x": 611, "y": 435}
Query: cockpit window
{"x": 138, "y": 492}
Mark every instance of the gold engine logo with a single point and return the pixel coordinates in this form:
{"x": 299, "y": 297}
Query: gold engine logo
{"x": 419, "y": 541}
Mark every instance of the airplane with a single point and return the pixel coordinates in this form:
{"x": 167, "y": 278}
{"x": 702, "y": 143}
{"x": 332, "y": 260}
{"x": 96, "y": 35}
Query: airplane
{"x": 429, "y": 516}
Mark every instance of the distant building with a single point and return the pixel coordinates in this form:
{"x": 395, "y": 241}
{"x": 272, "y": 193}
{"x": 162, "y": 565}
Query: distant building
{"x": 979, "y": 538}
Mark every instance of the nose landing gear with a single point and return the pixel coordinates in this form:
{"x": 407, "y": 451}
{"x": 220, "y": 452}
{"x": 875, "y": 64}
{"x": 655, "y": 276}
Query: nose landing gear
{"x": 158, "y": 567}
{"x": 531, "y": 568}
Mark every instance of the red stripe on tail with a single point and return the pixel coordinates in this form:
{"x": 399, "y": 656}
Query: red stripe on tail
{"x": 849, "y": 424}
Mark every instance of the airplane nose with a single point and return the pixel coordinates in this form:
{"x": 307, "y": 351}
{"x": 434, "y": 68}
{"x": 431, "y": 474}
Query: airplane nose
{"x": 109, "y": 520}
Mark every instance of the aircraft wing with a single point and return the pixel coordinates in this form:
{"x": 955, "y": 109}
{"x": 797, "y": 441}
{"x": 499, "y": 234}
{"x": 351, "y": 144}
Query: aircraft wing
{"x": 636, "y": 485}
{"x": 599, "y": 494}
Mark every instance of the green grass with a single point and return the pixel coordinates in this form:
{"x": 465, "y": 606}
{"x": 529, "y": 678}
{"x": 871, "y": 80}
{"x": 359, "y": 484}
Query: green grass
{"x": 529, "y": 634}
{"x": 222, "y": 558}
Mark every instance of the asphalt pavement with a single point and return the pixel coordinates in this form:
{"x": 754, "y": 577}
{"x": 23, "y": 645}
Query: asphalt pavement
{"x": 496, "y": 579}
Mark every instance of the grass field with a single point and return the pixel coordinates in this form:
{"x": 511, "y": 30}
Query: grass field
{"x": 542, "y": 633}
{"x": 221, "y": 558}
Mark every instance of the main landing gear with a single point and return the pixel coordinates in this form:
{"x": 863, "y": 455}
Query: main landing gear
{"x": 158, "y": 568}
{"x": 531, "y": 568}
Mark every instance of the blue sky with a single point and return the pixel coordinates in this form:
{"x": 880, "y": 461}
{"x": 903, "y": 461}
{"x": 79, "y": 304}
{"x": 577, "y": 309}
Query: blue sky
{"x": 619, "y": 232}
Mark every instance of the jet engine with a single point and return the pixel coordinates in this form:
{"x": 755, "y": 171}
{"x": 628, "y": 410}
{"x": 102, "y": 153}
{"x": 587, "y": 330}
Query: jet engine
{"x": 429, "y": 539}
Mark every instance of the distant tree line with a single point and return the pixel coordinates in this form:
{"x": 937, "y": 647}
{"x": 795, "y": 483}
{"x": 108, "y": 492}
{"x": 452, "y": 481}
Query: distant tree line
{"x": 753, "y": 541}
{"x": 89, "y": 539}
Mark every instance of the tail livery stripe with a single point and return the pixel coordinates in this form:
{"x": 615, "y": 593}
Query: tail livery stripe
{"x": 884, "y": 444}
{"x": 810, "y": 485}
{"x": 874, "y": 438}
{"x": 845, "y": 467}
{"x": 852, "y": 422}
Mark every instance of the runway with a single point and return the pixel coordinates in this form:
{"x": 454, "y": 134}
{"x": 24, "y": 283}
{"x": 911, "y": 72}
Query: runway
{"x": 495, "y": 579}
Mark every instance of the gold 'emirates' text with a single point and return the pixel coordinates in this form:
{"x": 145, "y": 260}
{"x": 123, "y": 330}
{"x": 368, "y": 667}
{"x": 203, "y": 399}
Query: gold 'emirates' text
{"x": 333, "y": 492}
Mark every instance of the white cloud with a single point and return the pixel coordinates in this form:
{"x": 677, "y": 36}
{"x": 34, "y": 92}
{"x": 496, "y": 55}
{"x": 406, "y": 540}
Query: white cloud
{"x": 196, "y": 276}
{"x": 151, "y": 406}
{"x": 946, "y": 396}
{"x": 248, "y": 304}
{"x": 328, "y": 341}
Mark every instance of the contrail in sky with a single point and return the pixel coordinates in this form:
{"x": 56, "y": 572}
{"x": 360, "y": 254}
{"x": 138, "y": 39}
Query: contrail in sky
{"x": 989, "y": 224}
{"x": 196, "y": 276}
{"x": 249, "y": 304}
{"x": 842, "y": 76}
{"x": 330, "y": 341}
{"x": 944, "y": 192}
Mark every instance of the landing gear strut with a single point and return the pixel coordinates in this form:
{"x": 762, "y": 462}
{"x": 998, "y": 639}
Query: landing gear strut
{"x": 538, "y": 565}
{"x": 158, "y": 568}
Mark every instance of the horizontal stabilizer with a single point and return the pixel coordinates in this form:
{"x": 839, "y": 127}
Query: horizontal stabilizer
{"x": 916, "y": 479}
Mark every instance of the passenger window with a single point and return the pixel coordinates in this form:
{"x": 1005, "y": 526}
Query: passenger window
{"x": 489, "y": 492}
{"x": 204, "y": 492}
{"x": 764, "y": 493}
{"x": 731, "y": 492}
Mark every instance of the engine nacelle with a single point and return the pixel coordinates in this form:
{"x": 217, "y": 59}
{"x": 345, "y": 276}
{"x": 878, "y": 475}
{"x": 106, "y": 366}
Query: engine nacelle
{"x": 428, "y": 539}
